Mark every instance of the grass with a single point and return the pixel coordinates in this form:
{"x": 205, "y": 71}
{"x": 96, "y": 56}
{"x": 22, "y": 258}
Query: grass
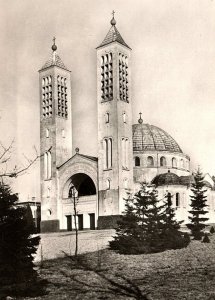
{"x": 175, "y": 274}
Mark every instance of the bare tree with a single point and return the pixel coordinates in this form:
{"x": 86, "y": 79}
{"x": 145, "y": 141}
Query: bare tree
{"x": 6, "y": 153}
{"x": 73, "y": 195}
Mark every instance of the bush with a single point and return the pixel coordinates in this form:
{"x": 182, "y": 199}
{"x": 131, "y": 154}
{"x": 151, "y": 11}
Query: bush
{"x": 186, "y": 238}
{"x": 212, "y": 230}
{"x": 127, "y": 245}
{"x": 174, "y": 239}
{"x": 206, "y": 238}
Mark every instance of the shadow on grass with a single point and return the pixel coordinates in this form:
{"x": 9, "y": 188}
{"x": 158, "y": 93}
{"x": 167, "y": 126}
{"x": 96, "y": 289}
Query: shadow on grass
{"x": 86, "y": 278}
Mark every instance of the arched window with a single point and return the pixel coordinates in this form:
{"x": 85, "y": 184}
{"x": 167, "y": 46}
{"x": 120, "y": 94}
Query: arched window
{"x": 45, "y": 164}
{"x": 150, "y": 161}
{"x": 47, "y": 132}
{"x": 126, "y": 153}
{"x": 125, "y": 145}
{"x": 169, "y": 199}
{"x": 137, "y": 161}
{"x": 163, "y": 161}
{"x": 182, "y": 163}
{"x": 177, "y": 199}
{"x": 108, "y": 153}
{"x": 49, "y": 169}
{"x": 174, "y": 162}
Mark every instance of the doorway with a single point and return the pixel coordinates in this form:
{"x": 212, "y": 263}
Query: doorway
{"x": 80, "y": 222}
{"x": 69, "y": 222}
{"x": 92, "y": 221}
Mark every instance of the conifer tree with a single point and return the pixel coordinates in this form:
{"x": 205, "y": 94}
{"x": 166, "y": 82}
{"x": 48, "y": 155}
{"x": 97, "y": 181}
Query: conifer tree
{"x": 140, "y": 226}
{"x": 172, "y": 237}
{"x": 127, "y": 239}
{"x": 198, "y": 205}
{"x": 17, "y": 246}
{"x": 150, "y": 217}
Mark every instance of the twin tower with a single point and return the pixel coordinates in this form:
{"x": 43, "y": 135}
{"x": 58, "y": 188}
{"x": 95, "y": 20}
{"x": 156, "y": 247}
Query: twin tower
{"x": 111, "y": 173}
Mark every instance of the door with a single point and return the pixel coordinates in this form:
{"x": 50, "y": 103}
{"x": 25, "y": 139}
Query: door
{"x": 80, "y": 222}
{"x": 92, "y": 221}
{"x": 69, "y": 222}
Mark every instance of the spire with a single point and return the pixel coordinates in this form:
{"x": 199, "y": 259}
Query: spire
{"x": 113, "y": 35}
{"x": 55, "y": 59}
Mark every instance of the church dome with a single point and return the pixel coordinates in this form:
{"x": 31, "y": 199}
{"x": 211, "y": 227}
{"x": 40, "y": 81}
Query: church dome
{"x": 166, "y": 179}
{"x": 150, "y": 137}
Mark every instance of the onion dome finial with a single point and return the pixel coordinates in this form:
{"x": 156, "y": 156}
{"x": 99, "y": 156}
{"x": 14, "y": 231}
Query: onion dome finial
{"x": 54, "y": 47}
{"x": 113, "y": 21}
{"x": 140, "y": 121}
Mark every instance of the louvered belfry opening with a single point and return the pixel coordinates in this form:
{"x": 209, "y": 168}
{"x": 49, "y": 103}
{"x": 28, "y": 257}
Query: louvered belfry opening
{"x": 107, "y": 77}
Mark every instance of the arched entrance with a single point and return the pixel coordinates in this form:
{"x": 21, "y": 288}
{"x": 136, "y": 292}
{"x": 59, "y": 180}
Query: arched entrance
{"x": 81, "y": 190}
{"x": 83, "y": 184}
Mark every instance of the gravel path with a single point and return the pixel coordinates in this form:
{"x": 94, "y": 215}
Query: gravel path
{"x": 55, "y": 245}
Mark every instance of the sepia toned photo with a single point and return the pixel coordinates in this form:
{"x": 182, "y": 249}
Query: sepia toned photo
{"x": 107, "y": 149}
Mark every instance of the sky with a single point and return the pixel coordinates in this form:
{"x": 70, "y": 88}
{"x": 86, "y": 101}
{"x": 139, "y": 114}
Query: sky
{"x": 173, "y": 71}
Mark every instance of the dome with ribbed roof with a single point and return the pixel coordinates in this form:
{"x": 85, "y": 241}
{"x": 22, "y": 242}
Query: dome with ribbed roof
{"x": 150, "y": 137}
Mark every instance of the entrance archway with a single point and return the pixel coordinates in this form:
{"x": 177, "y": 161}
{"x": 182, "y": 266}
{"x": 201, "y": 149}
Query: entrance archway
{"x": 83, "y": 184}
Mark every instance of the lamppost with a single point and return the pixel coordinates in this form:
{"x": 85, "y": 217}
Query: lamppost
{"x": 73, "y": 195}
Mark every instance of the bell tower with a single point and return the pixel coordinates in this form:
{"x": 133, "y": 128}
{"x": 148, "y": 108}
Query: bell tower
{"x": 114, "y": 122}
{"x": 55, "y": 134}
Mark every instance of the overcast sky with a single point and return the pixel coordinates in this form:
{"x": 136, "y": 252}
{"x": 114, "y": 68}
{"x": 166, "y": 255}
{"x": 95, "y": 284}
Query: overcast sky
{"x": 173, "y": 70}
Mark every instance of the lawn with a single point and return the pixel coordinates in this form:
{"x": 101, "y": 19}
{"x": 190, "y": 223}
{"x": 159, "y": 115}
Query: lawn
{"x": 176, "y": 274}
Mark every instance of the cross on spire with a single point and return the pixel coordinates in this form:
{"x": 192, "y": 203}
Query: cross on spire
{"x": 140, "y": 121}
{"x": 113, "y": 21}
{"x": 54, "y": 47}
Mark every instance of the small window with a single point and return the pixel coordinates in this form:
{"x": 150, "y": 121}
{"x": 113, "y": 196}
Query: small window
{"x": 177, "y": 199}
{"x": 174, "y": 162}
{"x": 182, "y": 163}
{"x": 63, "y": 133}
{"x": 137, "y": 161}
{"x": 163, "y": 161}
{"x": 47, "y": 133}
{"x": 107, "y": 117}
{"x": 108, "y": 184}
{"x": 49, "y": 212}
{"x": 124, "y": 117}
{"x": 125, "y": 183}
{"x": 150, "y": 161}
{"x": 169, "y": 199}
{"x": 48, "y": 192}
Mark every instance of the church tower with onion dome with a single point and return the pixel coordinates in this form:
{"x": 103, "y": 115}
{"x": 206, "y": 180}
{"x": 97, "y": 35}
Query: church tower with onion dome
{"x": 55, "y": 133}
{"x": 115, "y": 158}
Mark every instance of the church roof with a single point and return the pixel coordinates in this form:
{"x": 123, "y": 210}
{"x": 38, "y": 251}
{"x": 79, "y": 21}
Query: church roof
{"x": 54, "y": 60}
{"x": 166, "y": 179}
{"x": 150, "y": 137}
{"x": 172, "y": 179}
{"x": 93, "y": 158}
{"x": 113, "y": 35}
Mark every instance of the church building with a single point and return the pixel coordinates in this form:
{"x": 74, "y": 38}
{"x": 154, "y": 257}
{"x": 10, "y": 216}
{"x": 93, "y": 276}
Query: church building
{"x": 128, "y": 153}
